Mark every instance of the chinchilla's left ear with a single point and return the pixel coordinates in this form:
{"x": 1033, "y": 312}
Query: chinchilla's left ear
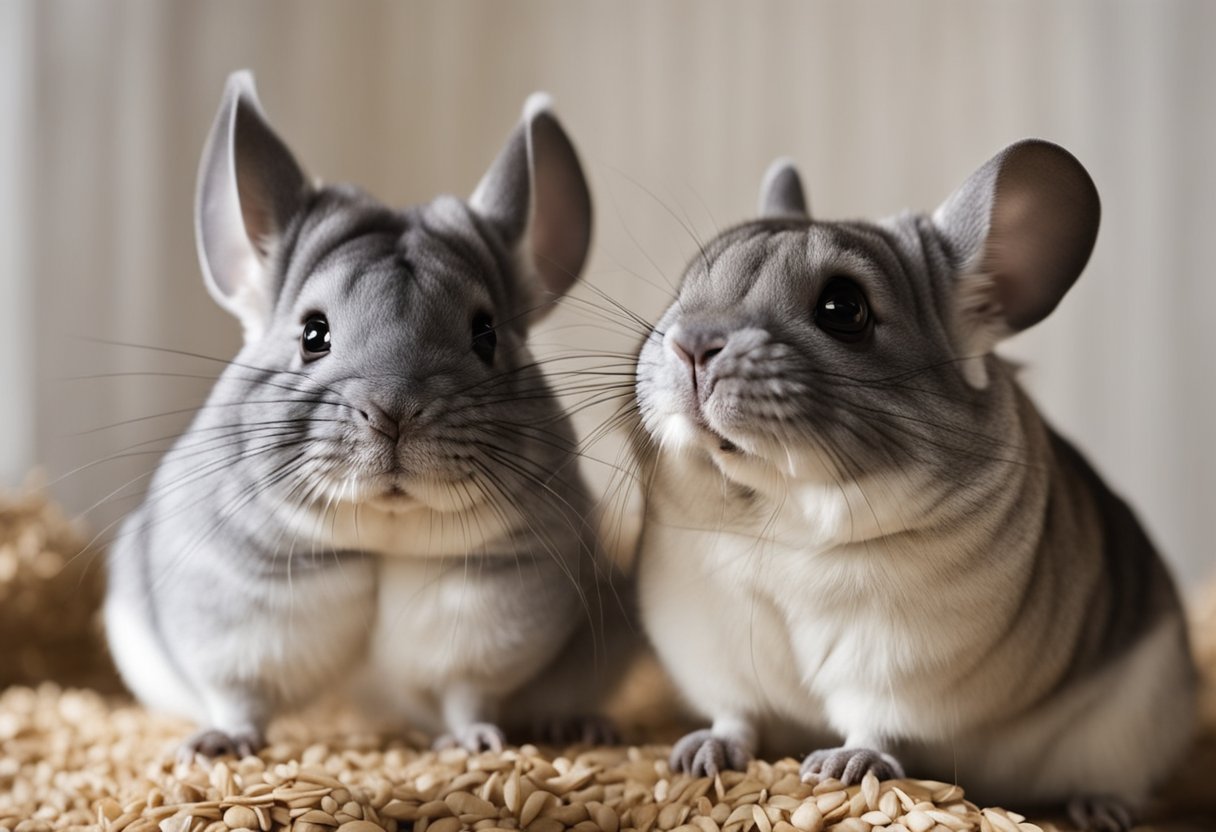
{"x": 1020, "y": 230}
{"x": 249, "y": 188}
{"x": 537, "y": 198}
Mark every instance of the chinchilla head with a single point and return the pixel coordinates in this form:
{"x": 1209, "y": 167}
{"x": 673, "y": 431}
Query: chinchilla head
{"x": 844, "y": 350}
{"x": 385, "y": 350}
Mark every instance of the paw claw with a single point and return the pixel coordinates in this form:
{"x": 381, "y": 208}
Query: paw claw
{"x": 212, "y": 743}
{"x": 1100, "y": 814}
{"x": 702, "y": 754}
{"x": 849, "y": 765}
{"x": 474, "y": 738}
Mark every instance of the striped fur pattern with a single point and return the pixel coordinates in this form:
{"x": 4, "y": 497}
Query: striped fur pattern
{"x": 874, "y": 552}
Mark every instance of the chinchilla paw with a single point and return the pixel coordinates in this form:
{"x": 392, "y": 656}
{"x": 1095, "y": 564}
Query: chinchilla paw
{"x": 849, "y": 765}
{"x": 212, "y": 742}
{"x": 703, "y": 754}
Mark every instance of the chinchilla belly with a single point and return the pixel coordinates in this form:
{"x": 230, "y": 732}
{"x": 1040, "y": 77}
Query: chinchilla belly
{"x": 727, "y": 647}
{"x": 490, "y": 621}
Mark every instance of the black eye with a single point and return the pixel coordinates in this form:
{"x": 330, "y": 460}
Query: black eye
{"x": 485, "y": 339}
{"x": 314, "y": 340}
{"x": 842, "y": 311}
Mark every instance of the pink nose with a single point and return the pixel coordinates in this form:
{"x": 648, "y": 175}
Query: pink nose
{"x": 697, "y": 349}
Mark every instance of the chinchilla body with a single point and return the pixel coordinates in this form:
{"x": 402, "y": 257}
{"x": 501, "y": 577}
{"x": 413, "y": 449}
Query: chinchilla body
{"x": 382, "y": 489}
{"x": 861, "y": 537}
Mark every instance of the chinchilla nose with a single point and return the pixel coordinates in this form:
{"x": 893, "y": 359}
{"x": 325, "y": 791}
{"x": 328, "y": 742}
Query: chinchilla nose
{"x": 380, "y": 421}
{"x": 391, "y": 415}
{"x": 696, "y": 347}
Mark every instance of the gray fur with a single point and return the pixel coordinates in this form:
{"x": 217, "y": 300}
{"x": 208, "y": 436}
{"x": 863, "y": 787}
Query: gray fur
{"x": 883, "y": 540}
{"x": 781, "y": 193}
{"x": 313, "y": 507}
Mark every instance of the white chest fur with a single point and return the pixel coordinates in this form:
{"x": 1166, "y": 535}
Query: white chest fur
{"x": 807, "y": 602}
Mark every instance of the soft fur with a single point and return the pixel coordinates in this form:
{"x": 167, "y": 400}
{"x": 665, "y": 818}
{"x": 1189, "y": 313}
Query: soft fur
{"x": 402, "y": 509}
{"x": 878, "y": 551}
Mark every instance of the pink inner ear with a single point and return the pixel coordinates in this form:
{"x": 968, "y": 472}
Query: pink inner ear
{"x": 1043, "y": 224}
{"x": 560, "y": 228}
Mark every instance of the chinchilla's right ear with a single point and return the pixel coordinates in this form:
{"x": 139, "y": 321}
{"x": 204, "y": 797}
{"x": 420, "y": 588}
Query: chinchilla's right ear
{"x": 781, "y": 192}
{"x": 536, "y": 196}
{"x": 1020, "y": 230}
{"x": 249, "y": 188}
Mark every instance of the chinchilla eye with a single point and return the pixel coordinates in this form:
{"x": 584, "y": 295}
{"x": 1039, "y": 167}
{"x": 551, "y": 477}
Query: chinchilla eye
{"x": 314, "y": 340}
{"x": 842, "y": 311}
{"x": 485, "y": 339}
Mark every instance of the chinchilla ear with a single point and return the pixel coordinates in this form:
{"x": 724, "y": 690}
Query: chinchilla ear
{"x": 781, "y": 193}
{"x": 537, "y": 198}
{"x": 249, "y": 188}
{"x": 1020, "y": 230}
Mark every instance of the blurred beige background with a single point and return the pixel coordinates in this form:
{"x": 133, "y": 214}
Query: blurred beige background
{"x": 677, "y": 107}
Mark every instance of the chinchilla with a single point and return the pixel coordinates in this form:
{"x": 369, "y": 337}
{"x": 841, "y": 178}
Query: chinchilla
{"x": 382, "y": 485}
{"x": 859, "y": 530}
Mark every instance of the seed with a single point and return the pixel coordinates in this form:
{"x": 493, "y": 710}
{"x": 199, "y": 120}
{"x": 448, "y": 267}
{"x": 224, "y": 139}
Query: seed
{"x": 433, "y": 809}
{"x": 511, "y": 792}
{"x": 807, "y": 817}
{"x": 318, "y": 817}
{"x": 673, "y": 815}
{"x": 869, "y": 790}
{"x": 445, "y": 825}
{"x": 532, "y": 807}
{"x": 546, "y": 825}
{"x": 569, "y": 815}
{"x": 828, "y": 785}
{"x": 762, "y": 822}
{"x": 831, "y": 800}
{"x": 999, "y": 822}
{"x": 605, "y": 818}
{"x": 888, "y": 804}
{"x": 644, "y": 816}
{"x": 953, "y": 821}
{"x": 241, "y": 817}
{"x": 853, "y": 825}
{"x": 464, "y": 803}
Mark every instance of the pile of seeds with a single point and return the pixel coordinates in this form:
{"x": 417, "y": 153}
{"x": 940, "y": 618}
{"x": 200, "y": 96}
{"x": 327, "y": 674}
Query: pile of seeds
{"x": 70, "y": 759}
{"x": 77, "y": 759}
{"x": 50, "y": 588}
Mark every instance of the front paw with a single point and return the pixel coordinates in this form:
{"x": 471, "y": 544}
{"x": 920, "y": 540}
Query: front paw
{"x": 212, "y": 743}
{"x": 1100, "y": 814}
{"x": 702, "y": 754}
{"x": 849, "y": 765}
{"x": 474, "y": 737}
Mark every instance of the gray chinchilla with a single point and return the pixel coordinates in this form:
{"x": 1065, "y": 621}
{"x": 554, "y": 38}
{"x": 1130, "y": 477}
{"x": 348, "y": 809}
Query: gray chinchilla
{"x": 382, "y": 486}
{"x": 860, "y": 530}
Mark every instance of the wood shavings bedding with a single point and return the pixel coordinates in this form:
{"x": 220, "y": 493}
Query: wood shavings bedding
{"x": 88, "y": 758}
